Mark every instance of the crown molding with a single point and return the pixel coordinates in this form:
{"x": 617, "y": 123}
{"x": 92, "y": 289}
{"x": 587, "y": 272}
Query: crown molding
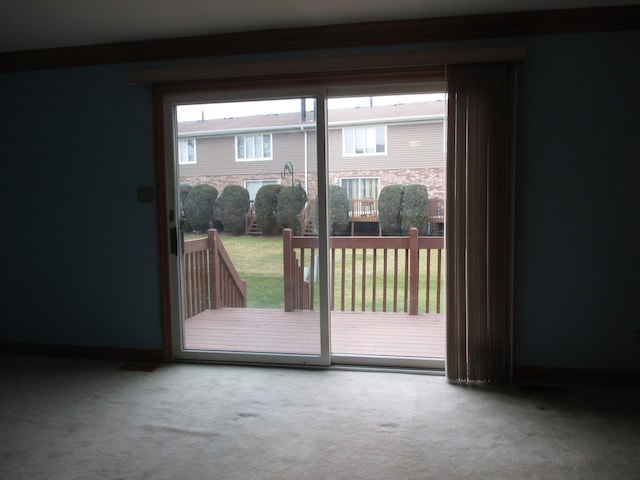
{"x": 332, "y": 37}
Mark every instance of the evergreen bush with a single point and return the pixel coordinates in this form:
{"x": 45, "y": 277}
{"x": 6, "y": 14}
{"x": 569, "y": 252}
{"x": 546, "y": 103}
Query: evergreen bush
{"x": 185, "y": 188}
{"x": 390, "y": 209}
{"x": 338, "y": 210}
{"x": 415, "y": 209}
{"x": 234, "y": 204}
{"x": 198, "y": 206}
{"x": 291, "y": 201}
{"x": 265, "y": 207}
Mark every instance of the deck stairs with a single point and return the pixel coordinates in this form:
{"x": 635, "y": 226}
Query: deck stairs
{"x": 308, "y": 219}
{"x": 251, "y": 226}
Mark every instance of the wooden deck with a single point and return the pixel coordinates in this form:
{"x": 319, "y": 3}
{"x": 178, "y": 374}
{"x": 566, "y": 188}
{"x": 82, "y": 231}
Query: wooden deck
{"x": 298, "y": 332}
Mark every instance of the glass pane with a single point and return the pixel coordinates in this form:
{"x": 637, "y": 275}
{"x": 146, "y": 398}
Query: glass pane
{"x": 369, "y": 188}
{"x": 236, "y": 297}
{"x": 240, "y": 141}
{"x": 256, "y": 142}
{"x": 380, "y": 140}
{"x": 348, "y": 141}
{"x": 371, "y": 140}
{"x": 250, "y": 147}
{"x": 359, "y": 132}
{"x": 183, "y": 151}
{"x": 350, "y": 186}
{"x": 383, "y": 302}
{"x": 252, "y": 187}
{"x": 266, "y": 145}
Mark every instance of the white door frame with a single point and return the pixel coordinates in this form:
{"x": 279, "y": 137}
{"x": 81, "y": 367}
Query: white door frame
{"x": 170, "y": 101}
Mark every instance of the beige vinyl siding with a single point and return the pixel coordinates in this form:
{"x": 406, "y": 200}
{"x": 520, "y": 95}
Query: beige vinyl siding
{"x": 217, "y": 156}
{"x": 289, "y": 147}
{"x": 408, "y": 146}
{"x": 213, "y": 155}
{"x": 416, "y": 145}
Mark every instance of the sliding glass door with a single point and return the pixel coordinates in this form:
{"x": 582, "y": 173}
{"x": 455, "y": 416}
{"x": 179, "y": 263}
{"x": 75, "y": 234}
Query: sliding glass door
{"x": 386, "y": 178}
{"x": 285, "y": 244}
{"x": 244, "y": 176}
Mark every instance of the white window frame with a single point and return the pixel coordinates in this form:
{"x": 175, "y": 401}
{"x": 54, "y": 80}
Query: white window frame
{"x": 253, "y": 157}
{"x": 190, "y": 160}
{"x": 369, "y": 135}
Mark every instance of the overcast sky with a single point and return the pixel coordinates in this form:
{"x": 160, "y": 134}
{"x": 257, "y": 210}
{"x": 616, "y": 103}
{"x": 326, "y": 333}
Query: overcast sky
{"x": 265, "y": 107}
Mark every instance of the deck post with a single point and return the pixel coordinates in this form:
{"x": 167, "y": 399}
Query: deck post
{"x": 414, "y": 270}
{"x": 289, "y": 274}
{"x": 214, "y": 268}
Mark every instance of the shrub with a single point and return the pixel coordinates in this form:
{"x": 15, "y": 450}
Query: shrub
{"x": 389, "y": 209}
{"x": 265, "y": 208}
{"x": 234, "y": 204}
{"x": 291, "y": 201}
{"x": 198, "y": 206}
{"x": 185, "y": 188}
{"x": 338, "y": 210}
{"x": 415, "y": 209}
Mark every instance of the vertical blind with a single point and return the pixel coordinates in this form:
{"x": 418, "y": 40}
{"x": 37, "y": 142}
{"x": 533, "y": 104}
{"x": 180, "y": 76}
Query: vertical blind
{"x": 479, "y": 237}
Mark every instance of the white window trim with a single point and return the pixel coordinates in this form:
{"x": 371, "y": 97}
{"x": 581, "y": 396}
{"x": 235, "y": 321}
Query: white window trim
{"x": 272, "y": 181}
{"x": 195, "y": 151}
{"x": 444, "y": 135}
{"x": 254, "y": 159}
{"x": 365, "y": 154}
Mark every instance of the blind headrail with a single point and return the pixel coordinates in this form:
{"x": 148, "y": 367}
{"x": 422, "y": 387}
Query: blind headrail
{"x": 429, "y": 59}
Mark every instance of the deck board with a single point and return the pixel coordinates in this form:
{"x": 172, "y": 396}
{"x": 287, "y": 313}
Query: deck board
{"x": 298, "y": 332}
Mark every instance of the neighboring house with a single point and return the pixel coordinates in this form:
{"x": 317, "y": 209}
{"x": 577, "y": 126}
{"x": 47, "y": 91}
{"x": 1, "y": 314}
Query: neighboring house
{"x": 369, "y": 148}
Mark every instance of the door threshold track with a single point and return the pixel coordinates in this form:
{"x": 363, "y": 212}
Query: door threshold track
{"x": 344, "y": 367}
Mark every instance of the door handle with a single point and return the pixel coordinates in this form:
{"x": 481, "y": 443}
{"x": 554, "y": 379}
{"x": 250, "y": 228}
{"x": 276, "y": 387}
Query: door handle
{"x": 174, "y": 241}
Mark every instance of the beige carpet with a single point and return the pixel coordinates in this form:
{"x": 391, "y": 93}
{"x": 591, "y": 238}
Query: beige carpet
{"x": 71, "y": 419}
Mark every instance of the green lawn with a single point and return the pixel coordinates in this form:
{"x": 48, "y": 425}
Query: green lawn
{"x": 259, "y": 262}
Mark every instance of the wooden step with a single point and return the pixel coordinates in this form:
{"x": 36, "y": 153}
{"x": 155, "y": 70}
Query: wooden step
{"x": 253, "y": 228}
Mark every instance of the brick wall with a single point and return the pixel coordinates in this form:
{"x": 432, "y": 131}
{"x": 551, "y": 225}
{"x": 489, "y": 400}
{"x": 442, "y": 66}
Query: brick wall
{"x": 432, "y": 178}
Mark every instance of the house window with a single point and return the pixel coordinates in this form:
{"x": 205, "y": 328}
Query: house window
{"x": 365, "y": 140}
{"x": 187, "y": 150}
{"x": 363, "y": 187}
{"x": 253, "y": 186}
{"x": 253, "y": 147}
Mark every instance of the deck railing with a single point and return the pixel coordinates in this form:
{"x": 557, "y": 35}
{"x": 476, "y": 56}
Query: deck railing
{"x": 364, "y": 210}
{"x": 388, "y": 274}
{"x": 210, "y": 279}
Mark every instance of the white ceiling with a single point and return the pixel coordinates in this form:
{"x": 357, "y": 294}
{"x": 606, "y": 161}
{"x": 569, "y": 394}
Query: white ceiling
{"x": 37, "y": 24}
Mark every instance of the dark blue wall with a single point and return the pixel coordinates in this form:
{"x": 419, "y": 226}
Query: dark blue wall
{"x": 577, "y": 259}
{"x": 80, "y": 253}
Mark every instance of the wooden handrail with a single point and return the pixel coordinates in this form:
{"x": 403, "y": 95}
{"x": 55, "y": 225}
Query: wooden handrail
{"x": 195, "y": 277}
{"x": 210, "y": 278}
{"x": 387, "y": 270}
